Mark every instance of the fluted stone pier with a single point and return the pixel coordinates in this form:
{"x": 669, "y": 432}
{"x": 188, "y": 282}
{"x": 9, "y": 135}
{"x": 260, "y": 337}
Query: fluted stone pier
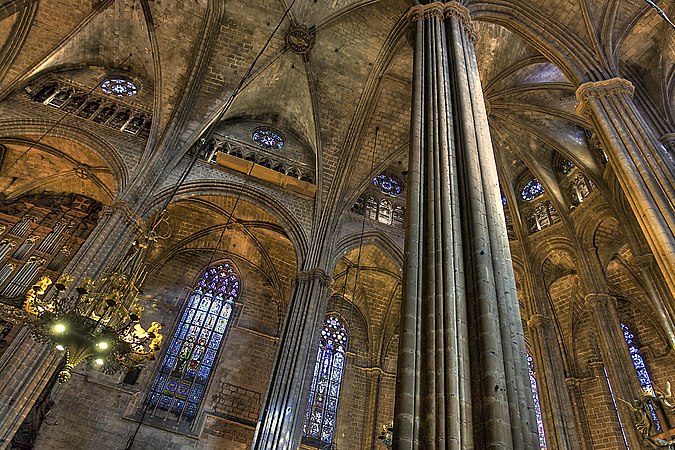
{"x": 462, "y": 380}
{"x": 644, "y": 175}
{"x": 283, "y": 411}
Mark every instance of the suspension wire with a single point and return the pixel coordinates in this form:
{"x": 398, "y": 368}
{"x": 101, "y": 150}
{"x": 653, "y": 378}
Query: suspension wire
{"x": 352, "y": 304}
{"x": 209, "y": 130}
{"x": 61, "y": 119}
{"x": 661, "y": 13}
{"x": 204, "y": 141}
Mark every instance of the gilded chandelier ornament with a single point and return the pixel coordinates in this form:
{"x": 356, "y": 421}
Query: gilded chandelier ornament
{"x": 100, "y": 323}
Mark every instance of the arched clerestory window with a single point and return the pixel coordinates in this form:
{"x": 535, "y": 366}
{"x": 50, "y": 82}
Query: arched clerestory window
{"x": 182, "y": 379}
{"x": 319, "y": 426}
{"x": 537, "y": 404}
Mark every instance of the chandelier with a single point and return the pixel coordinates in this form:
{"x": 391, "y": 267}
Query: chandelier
{"x": 100, "y": 321}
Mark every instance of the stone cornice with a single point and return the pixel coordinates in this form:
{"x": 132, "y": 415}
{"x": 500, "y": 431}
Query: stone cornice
{"x": 444, "y": 11}
{"x": 603, "y": 88}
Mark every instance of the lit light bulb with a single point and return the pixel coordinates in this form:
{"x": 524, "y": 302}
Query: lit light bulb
{"x": 102, "y": 345}
{"x": 59, "y": 328}
{"x": 98, "y": 361}
{"x": 60, "y": 347}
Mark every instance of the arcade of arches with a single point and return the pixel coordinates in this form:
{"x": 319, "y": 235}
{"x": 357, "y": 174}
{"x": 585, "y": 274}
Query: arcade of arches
{"x": 411, "y": 206}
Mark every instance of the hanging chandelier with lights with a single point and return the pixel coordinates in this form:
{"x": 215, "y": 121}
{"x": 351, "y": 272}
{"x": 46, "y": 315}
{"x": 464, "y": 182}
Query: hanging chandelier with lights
{"x": 100, "y": 321}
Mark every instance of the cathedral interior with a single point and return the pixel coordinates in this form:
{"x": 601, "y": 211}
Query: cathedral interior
{"x": 350, "y": 219}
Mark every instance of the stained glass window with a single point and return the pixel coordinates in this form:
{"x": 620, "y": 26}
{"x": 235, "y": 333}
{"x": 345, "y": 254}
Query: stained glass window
{"x": 268, "y": 138}
{"x": 537, "y": 405}
{"x": 387, "y": 185}
{"x": 641, "y": 369}
{"x": 119, "y": 86}
{"x": 181, "y": 382}
{"x": 532, "y": 190}
{"x": 616, "y": 410}
{"x": 321, "y": 414}
{"x": 566, "y": 166}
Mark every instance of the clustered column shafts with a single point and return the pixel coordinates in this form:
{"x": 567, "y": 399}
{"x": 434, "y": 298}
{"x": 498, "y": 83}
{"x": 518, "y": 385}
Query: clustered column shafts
{"x": 283, "y": 412}
{"x": 25, "y": 369}
{"x": 616, "y": 359}
{"x": 644, "y": 176}
{"x": 21, "y": 385}
{"x": 550, "y": 371}
{"x": 462, "y": 379}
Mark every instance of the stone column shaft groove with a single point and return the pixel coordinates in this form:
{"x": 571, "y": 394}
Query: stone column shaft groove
{"x": 462, "y": 380}
{"x": 632, "y": 149}
{"x": 283, "y": 411}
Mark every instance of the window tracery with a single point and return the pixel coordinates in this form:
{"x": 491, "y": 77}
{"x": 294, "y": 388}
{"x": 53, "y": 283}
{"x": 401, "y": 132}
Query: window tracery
{"x": 105, "y": 111}
{"x": 640, "y": 369}
{"x": 119, "y": 86}
{"x": 542, "y": 215}
{"x": 268, "y": 138}
{"x": 387, "y": 185}
{"x": 379, "y": 208}
{"x": 182, "y": 379}
{"x": 532, "y": 190}
{"x": 319, "y": 425}
{"x": 278, "y": 163}
{"x": 580, "y": 188}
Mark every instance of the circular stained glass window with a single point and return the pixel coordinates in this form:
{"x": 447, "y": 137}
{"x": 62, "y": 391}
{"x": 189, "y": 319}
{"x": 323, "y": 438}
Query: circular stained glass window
{"x": 532, "y": 190}
{"x": 387, "y": 185}
{"x": 119, "y": 86}
{"x": 268, "y": 138}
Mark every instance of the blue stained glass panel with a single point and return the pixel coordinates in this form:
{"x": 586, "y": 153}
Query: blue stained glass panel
{"x": 537, "y": 405}
{"x": 532, "y": 190}
{"x": 191, "y": 409}
{"x": 640, "y": 369}
{"x": 268, "y": 138}
{"x": 203, "y": 374}
{"x": 387, "y": 185}
{"x": 194, "y": 346}
{"x": 328, "y": 371}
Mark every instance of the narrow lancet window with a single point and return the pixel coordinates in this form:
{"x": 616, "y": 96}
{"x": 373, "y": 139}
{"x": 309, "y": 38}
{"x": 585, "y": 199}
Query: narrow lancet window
{"x": 321, "y": 415}
{"x": 641, "y": 369}
{"x": 181, "y": 382}
{"x": 537, "y": 404}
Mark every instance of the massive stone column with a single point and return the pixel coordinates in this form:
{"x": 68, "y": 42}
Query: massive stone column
{"x": 25, "y": 368}
{"x": 283, "y": 411}
{"x": 462, "y": 379}
{"x": 561, "y": 433}
{"x": 601, "y": 307}
{"x": 632, "y": 150}
{"x": 616, "y": 359}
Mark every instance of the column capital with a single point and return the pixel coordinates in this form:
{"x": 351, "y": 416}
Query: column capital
{"x": 130, "y": 216}
{"x": 596, "y": 300}
{"x": 444, "y": 11}
{"x": 602, "y": 88}
{"x": 315, "y": 274}
{"x": 644, "y": 261}
{"x": 536, "y": 321}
